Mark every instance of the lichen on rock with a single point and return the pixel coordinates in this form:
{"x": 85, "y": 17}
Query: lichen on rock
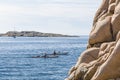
{"x": 101, "y": 60}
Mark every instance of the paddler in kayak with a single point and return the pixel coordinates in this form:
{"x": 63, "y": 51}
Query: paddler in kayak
{"x": 54, "y": 53}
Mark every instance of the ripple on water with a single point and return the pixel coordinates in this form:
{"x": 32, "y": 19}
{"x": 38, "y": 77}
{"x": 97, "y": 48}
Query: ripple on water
{"x": 16, "y": 64}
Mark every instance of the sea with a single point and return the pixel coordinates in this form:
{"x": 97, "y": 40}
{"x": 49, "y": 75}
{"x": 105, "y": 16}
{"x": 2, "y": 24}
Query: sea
{"x": 17, "y": 61}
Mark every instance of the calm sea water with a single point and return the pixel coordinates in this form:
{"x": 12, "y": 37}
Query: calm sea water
{"x": 16, "y": 64}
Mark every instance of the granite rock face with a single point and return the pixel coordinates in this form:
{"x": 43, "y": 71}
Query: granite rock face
{"x": 101, "y": 60}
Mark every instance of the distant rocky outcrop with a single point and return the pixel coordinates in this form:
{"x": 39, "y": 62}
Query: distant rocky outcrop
{"x": 32, "y": 34}
{"x": 101, "y": 60}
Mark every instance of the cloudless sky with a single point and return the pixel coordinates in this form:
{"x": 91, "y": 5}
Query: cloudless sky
{"x": 51, "y": 16}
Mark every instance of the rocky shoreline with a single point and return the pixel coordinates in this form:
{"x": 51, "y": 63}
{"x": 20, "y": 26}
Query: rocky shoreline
{"x": 101, "y": 59}
{"x": 32, "y": 34}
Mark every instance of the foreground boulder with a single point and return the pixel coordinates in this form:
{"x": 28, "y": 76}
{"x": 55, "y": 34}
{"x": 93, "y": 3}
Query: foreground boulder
{"x": 101, "y": 61}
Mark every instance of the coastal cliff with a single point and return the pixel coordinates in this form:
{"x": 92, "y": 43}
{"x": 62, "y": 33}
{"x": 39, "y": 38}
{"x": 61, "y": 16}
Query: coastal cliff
{"x": 32, "y": 34}
{"x": 101, "y": 59}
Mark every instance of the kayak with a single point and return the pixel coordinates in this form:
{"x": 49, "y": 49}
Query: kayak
{"x": 47, "y": 56}
{"x": 62, "y": 53}
{"x": 53, "y": 55}
{"x": 59, "y": 53}
{"x": 50, "y": 56}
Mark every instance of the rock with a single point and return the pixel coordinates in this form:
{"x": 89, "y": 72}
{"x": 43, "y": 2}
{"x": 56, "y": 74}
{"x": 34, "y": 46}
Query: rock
{"x": 102, "y": 32}
{"x": 91, "y": 71}
{"x": 111, "y": 8}
{"x": 88, "y": 55}
{"x": 101, "y": 11}
{"x": 103, "y": 46}
{"x": 112, "y": 1}
{"x": 80, "y": 72}
{"x": 116, "y": 20}
{"x": 71, "y": 70}
{"x": 101, "y": 60}
{"x": 71, "y": 76}
{"x": 111, "y": 68}
{"x": 118, "y": 79}
{"x": 111, "y": 79}
{"x": 118, "y": 36}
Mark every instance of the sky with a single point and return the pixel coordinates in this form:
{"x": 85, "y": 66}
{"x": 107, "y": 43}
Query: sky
{"x": 71, "y": 17}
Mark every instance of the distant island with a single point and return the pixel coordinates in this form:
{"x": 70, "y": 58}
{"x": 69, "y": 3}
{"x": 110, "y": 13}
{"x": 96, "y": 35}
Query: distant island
{"x": 33, "y": 34}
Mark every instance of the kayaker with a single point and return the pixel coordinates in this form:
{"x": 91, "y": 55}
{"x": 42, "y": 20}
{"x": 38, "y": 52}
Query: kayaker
{"x": 54, "y": 52}
{"x": 45, "y": 55}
